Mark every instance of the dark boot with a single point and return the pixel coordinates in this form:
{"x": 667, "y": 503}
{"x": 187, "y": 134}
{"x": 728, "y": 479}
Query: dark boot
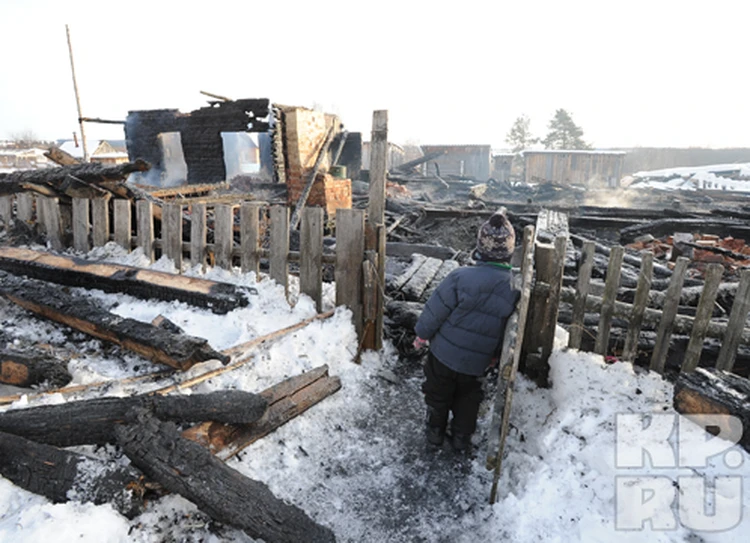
{"x": 435, "y": 428}
{"x": 461, "y": 443}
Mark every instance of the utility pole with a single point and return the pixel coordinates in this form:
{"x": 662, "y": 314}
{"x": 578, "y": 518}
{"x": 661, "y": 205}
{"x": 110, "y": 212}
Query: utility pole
{"x": 78, "y": 99}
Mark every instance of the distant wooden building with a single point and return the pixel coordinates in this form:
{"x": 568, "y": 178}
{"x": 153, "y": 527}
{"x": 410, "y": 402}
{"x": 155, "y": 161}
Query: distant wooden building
{"x": 502, "y": 166}
{"x": 472, "y": 161}
{"x": 595, "y": 169}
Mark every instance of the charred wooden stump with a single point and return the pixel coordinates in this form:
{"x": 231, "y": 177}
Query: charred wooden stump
{"x": 157, "y": 344}
{"x": 25, "y": 369}
{"x": 93, "y": 421}
{"x": 61, "y": 476}
{"x": 190, "y": 470}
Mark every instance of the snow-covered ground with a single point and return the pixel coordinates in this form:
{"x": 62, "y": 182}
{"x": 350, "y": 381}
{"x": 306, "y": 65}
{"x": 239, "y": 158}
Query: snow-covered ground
{"x": 357, "y": 463}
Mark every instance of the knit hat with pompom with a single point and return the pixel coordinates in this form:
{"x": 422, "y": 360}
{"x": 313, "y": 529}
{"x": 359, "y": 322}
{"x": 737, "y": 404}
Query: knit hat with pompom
{"x": 496, "y": 239}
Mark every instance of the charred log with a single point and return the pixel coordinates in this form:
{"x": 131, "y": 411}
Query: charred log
{"x": 190, "y": 470}
{"x": 25, "y": 369}
{"x": 145, "y": 284}
{"x": 157, "y": 344}
{"x": 93, "y": 421}
{"x": 61, "y": 476}
{"x": 711, "y": 391}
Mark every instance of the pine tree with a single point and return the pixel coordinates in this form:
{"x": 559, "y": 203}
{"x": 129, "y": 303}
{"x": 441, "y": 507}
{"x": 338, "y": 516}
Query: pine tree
{"x": 564, "y": 133}
{"x": 519, "y": 137}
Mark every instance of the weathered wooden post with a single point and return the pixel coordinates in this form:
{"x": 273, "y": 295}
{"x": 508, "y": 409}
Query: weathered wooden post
{"x": 198, "y": 235}
{"x": 608, "y": 300}
{"x": 100, "y": 221}
{"x": 350, "y": 251}
{"x": 669, "y": 312}
{"x": 311, "y": 255}
{"x": 278, "y": 261}
{"x": 375, "y": 236}
{"x": 171, "y": 234}
{"x": 6, "y": 210}
{"x": 123, "y": 223}
{"x": 223, "y": 235}
{"x": 250, "y": 238}
{"x": 630, "y": 349}
{"x": 702, "y": 317}
{"x": 582, "y": 291}
{"x": 736, "y": 324}
{"x": 81, "y": 224}
{"x": 545, "y": 304}
{"x": 144, "y": 214}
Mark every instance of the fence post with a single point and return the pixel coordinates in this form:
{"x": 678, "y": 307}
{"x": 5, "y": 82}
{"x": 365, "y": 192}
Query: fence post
{"x": 100, "y": 221}
{"x": 171, "y": 233}
{"x": 311, "y": 255}
{"x": 736, "y": 324}
{"x": 6, "y": 210}
{"x": 198, "y": 235}
{"x": 250, "y": 238}
{"x": 25, "y": 207}
{"x": 582, "y": 291}
{"x": 278, "y": 262}
{"x": 123, "y": 223}
{"x": 350, "y": 250}
{"x": 702, "y": 316}
{"x": 608, "y": 299}
{"x": 223, "y": 236}
{"x": 52, "y": 225}
{"x": 669, "y": 312}
{"x": 81, "y": 225}
{"x": 145, "y": 216}
{"x": 630, "y": 349}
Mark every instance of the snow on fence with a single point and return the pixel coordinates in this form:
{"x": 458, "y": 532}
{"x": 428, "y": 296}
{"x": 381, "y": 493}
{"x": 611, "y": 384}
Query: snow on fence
{"x": 86, "y": 223}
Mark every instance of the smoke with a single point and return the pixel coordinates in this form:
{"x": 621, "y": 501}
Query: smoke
{"x": 609, "y": 198}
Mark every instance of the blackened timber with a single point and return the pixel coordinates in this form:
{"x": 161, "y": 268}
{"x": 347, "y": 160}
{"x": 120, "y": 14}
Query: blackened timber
{"x": 23, "y": 369}
{"x": 190, "y": 470}
{"x": 93, "y": 422}
{"x": 711, "y": 391}
{"x": 664, "y": 227}
{"x": 144, "y": 284}
{"x": 62, "y": 476}
{"x": 176, "y": 350}
{"x": 54, "y": 177}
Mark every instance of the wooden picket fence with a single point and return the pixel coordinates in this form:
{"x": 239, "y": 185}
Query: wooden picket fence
{"x": 86, "y": 224}
{"x": 698, "y": 327}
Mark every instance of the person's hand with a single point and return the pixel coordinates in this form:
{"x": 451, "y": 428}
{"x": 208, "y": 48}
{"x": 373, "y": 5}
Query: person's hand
{"x": 420, "y": 343}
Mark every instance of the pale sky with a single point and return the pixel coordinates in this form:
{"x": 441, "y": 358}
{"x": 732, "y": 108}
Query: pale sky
{"x": 632, "y": 73}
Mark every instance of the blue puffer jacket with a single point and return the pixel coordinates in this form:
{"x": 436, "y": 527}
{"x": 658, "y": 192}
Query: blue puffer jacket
{"x": 464, "y": 319}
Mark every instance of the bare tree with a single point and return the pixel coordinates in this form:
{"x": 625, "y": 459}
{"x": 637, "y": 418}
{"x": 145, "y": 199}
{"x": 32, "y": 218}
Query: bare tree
{"x": 519, "y": 137}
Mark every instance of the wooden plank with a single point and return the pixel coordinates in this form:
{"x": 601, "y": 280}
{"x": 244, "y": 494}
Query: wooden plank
{"x": 582, "y": 290}
{"x": 223, "y": 236}
{"x": 350, "y": 249}
{"x": 25, "y": 207}
{"x": 171, "y": 233}
{"x": 703, "y": 314}
{"x": 509, "y": 370}
{"x": 198, "y": 235}
{"x": 52, "y": 224}
{"x": 311, "y": 255}
{"x": 250, "y": 238}
{"x": 39, "y": 204}
{"x": 100, "y": 221}
{"x": 81, "y": 225}
{"x": 378, "y": 167}
{"x": 669, "y": 312}
{"x": 630, "y": 349}
{"x": 736, "y": 324}
{"x": 380, "y": 307}
{"x": 278, "y": 263}
{"x": 145, "y": 216}
{"x": 123, "y": 223}
{"x": 608, "y": 300}
{"x": 6, "y": 210}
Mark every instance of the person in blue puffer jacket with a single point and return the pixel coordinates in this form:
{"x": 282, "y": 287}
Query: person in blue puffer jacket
{"x": 463, "y": 323}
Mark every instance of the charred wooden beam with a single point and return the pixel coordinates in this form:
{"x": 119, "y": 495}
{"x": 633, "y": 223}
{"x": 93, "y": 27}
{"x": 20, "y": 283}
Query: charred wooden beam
{"x": 176, "y": 350}
{"x": 190, "y": 470}
{"x": 93, "y": 421}
{"x": 711, "y": 391}
{"x": 145, "y": 284}
{"x": 23, "y": 369}
{"x": 90, "y": 172}
{"x": 286, "y": 400}
{"x": 58, "y": 156}
{"x": 62, "y": 476}
{"x": 664, "y": 227}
